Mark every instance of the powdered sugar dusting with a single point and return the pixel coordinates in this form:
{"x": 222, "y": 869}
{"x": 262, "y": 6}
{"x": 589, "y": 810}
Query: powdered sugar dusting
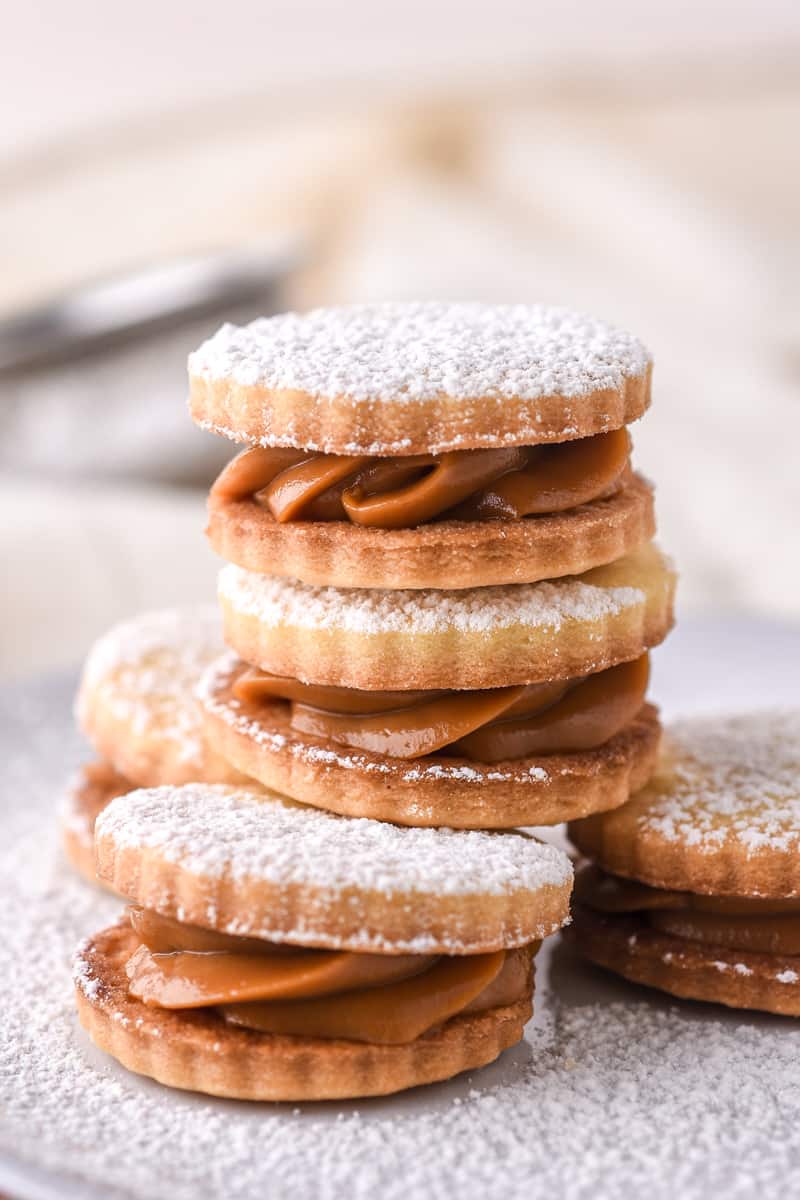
{"x": 145, "y": 672}
{"x": 731, "y": 968}
{"x": 546, "y": 605}
{"x": 407, "y": 353}
{"x": 733, "y": 779}
{"x": 615, "y": 1092}
{"x": 225, "y": 832}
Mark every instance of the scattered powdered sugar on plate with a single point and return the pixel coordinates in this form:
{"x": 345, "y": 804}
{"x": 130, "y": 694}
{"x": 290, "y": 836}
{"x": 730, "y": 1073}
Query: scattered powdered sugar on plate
{"x": 275, "y": 601}
{"x": 226, "y": 832}
{"x": 615, "y": 1093}
{"x": 407, "y": 353}
{"x": 145, "y": 672}
{"x": 732, "y": 779}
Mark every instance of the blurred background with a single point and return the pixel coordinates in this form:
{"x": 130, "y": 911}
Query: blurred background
{"x": 218, "y": 161}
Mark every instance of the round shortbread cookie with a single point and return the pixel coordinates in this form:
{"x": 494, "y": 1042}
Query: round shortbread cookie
{"x": 415, "y": 378}
{"x": 199, "y": 1051}
{"x": 443, "y": 554}
{"x": 432, "y": 790}
{"x": 89, "y": 791}
{"x": 474, "y": 638}
{"x": 721, "y": 815}
{"x": 136, "y": 702}
{"x": 627, "y": 945}
{"x": 252, "y": 863}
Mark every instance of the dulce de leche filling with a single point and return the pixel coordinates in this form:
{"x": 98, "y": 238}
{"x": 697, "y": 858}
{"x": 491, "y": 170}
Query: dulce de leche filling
{"x": 380, "y": 998}
{"x": 488, "y": 726}
{"x": 737, "y": 923}
{"x": 398, "y": 493}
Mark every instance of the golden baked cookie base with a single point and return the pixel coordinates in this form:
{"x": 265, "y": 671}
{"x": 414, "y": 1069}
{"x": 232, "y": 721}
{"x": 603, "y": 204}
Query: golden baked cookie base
{"x": 87, "y": 795}
{"x": 266, "y": 416}
{"x": 442, "y": 554}
{"x": 150, "y": 757}
{"x": 479, "y": 657}
{"x": 198, "y": 1051}
{"x": 259, "y": 740}
{"x": 718, "y": 816}
{"x": 620, "y": 844}
{"x": 628, "y": 946}
{"x": 351, "y": 919}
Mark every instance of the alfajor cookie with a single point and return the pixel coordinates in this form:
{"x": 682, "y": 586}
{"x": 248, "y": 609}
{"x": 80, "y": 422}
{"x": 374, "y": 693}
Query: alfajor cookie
{"x": 136, "y": 700}
{"x": 136, "y": 704}
{"x": 695, "y": 887}
{"x": 425, "y": 445}
{"x": 274, "y": 952}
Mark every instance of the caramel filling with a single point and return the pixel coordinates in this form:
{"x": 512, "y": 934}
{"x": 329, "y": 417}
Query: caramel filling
{"x": 398, "y": 493}
{"x": 484, "y": 726}
{"x": 377, "y": 998}
{"x": 737, "y": 923}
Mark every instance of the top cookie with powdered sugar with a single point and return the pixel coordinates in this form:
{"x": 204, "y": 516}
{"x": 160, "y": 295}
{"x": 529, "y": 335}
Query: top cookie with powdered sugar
{"x": 418, "y": 377}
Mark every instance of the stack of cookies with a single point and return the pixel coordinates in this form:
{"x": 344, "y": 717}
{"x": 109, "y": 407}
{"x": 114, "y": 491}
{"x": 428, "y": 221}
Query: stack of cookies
{"x": 439, "y": 598}
{"x": 441, "y": 589}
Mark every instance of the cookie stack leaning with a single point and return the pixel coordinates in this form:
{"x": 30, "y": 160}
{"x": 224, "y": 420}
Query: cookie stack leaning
{"x": 441, "y": 588}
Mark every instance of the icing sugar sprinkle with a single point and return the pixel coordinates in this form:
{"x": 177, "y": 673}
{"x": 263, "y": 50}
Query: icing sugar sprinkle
{"x": 734, "y": 778}
{"x": 614, "y": 1092}
{"x": 471, "y": 610}
{"x": 406, "y": 353}
{"x": 225, "y": 832}
{"x": 145, "y": 672}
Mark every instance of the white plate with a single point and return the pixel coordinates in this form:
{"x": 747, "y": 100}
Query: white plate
{"x": 615, "y": 1091}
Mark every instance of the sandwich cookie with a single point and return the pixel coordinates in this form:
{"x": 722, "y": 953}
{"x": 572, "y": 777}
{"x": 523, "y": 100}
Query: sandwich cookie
{"x": 274, "y": 952}
{"x": 136, "y": 704}
{"x": 485, "y": 708}
{"x": 425, "y": 445}
{"x": 695, "y": 885}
